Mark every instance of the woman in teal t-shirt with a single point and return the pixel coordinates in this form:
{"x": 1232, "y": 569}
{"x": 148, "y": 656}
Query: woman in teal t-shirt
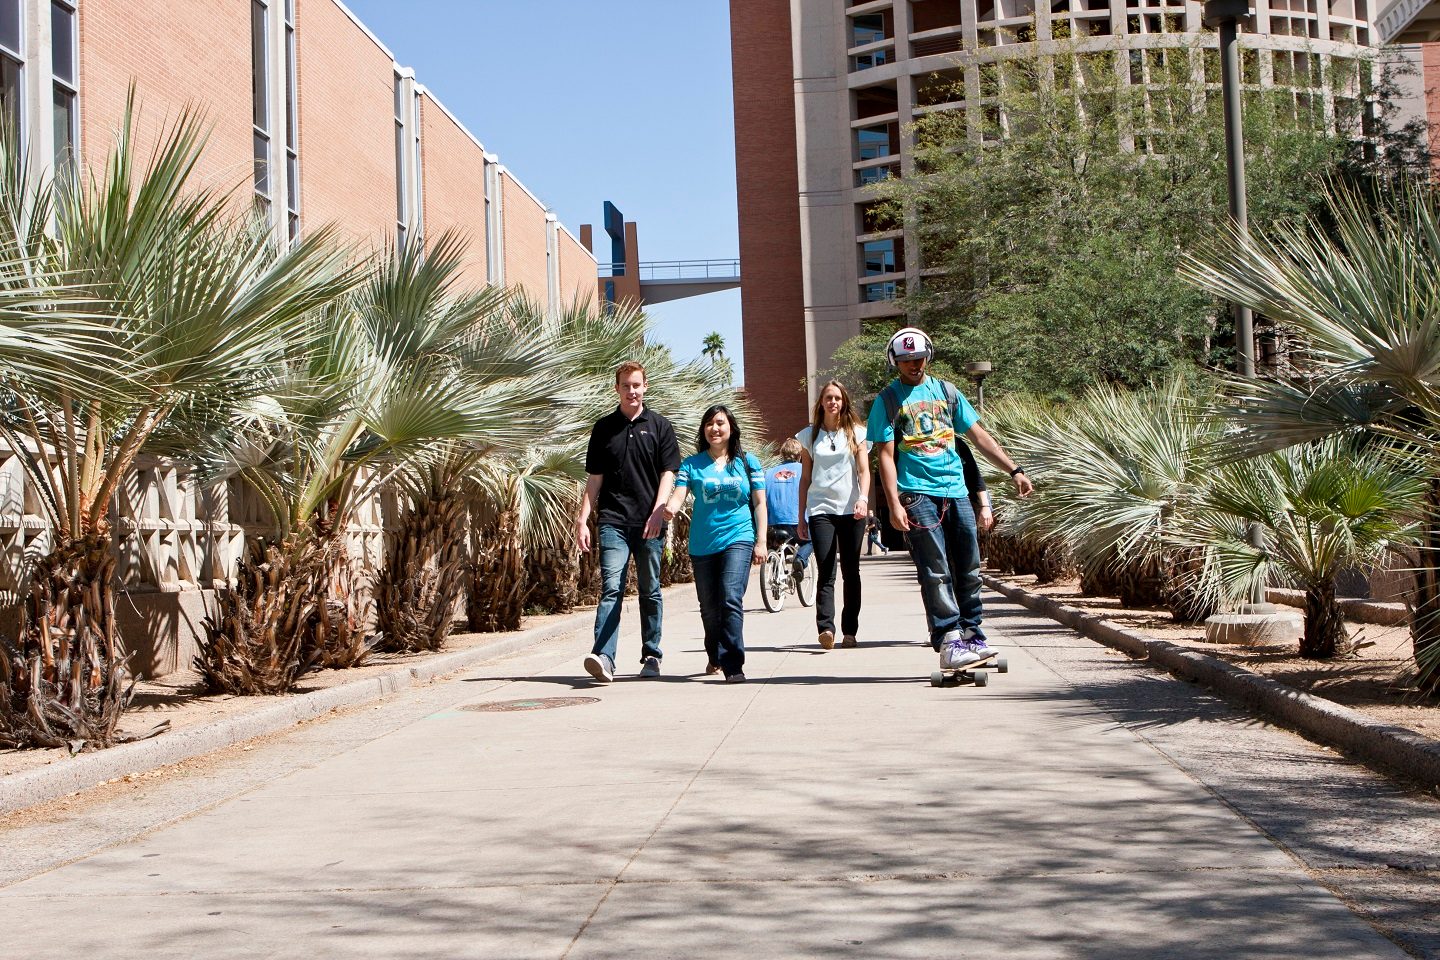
{"x": 727, "y": 533}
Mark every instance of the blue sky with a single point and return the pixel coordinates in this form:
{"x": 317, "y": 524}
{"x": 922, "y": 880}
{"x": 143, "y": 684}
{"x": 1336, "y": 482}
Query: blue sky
{"x": 587, "y": 102}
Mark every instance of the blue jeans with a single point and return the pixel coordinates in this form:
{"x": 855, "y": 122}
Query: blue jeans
{"x": 720, "y": 580}
{"x": 946, "y": 551}
{"x": 617, "y": 545}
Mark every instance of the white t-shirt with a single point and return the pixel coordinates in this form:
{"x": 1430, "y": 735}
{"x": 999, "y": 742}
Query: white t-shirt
{"x": 834, "y": 481}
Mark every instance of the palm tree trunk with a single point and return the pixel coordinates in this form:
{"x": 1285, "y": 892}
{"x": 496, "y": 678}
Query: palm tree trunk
{"x": 1425, "y": 607}
{"x": 675, "y": 565}
{"x": 67, "y": 682}
{"x": 293, "y": 607}
{"x": 423, "y": 575}
{"x": 1325, "y": 633}
{"x": 497, "y": 585}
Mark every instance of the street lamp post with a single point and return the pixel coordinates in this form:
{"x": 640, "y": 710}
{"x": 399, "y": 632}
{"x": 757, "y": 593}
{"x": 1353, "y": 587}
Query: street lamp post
{"x": 1257, "y": 617}
{"x": 978, "y": 370}
{"x": 1225, "y": 16}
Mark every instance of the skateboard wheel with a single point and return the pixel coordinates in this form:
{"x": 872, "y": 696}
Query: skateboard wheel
{"x": 982, "y": 679}
{"x": 1002, "y": 665}
{"x": 937, "y": 679}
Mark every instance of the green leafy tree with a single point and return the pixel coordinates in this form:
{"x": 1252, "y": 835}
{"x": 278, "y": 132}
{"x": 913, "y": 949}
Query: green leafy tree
{"x": 1058, "y": 214}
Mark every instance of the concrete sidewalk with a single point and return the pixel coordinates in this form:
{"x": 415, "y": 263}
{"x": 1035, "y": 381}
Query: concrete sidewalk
{"x": 836, "y": 805}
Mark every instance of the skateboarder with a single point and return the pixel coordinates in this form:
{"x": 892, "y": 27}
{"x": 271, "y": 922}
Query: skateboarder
{"x": 916, "y": 424}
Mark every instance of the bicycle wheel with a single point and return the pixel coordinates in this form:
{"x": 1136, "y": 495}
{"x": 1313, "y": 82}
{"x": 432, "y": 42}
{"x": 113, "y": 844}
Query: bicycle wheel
{"x": 805, "y": 589}
{"x": 773, "y": 581}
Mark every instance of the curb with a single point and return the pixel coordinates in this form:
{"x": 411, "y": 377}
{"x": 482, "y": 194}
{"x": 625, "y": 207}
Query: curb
{"x": 1396, "y": 750}
{"x": 1361, "y": 611}
{"x": 31, "y": 787}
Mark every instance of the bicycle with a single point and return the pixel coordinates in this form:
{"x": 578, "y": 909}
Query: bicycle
{"x": 778, "y": 575}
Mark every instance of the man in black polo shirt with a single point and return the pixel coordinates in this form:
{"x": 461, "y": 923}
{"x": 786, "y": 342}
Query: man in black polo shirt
{"x": 631, "y": 460}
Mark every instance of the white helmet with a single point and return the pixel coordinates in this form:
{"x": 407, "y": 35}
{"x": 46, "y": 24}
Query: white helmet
{"x": 909, "y": 342}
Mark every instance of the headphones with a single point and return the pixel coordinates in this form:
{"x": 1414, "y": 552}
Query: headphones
{"x": 910, "y": 341}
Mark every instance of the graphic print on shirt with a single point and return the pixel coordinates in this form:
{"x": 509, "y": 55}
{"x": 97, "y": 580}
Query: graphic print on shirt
{"x": 725, "y": 490}
{"x": 924, "y": 428}
{"x": 785, "y": 474}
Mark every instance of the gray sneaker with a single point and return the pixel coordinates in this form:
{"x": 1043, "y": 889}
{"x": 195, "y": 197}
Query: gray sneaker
{"x": 651, "y": 667}
{"x": 601, "y": 667}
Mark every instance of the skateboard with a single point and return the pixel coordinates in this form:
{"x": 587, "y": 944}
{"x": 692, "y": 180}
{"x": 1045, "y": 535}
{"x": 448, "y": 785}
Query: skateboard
{"x": 974, "y": 673}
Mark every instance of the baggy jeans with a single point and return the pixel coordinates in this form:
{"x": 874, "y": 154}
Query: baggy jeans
{"x": 617, "y": 546}
{"x": 946, "y": 552}
{"x": 720, "y": 581}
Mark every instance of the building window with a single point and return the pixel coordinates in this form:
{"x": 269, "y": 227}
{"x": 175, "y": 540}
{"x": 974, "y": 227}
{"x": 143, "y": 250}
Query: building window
{"x": 402, "y": 206}
{"x": 881, "y": 292}
{"x": 880, "y": 257}
{"x": 62, "y": 59}
{"x": 864, "y": 61}
{"x": 873, "y": 142}
{"x": 12, "y": 62}
{"x": 292, "y": 130}
{"x": 867, "y": 28}
{"x": 865, "y": 176}
{"x": 260, "y": 97}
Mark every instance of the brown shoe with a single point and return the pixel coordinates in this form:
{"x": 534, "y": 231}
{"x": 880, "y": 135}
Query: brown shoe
{"x": 827, "y": 639}
{"x": 711, "y": 669}
{"x": 849, "y": 641}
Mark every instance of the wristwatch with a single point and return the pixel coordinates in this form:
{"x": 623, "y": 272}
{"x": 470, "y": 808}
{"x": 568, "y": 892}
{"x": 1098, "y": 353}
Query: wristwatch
{"x": 1017, "y": 470}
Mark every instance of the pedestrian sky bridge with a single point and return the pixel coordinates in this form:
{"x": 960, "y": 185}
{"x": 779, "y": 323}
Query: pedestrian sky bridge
{"x": 662, "y": 280}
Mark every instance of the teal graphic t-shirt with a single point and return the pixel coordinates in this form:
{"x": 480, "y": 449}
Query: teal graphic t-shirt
{"x": 721, "y": 515}
{"x": 926, "y": 460}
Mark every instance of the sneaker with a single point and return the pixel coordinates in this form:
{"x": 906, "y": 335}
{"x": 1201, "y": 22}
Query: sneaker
{"x": 651, "y": 667}
{"x": 601, "y": 667}
{"x": 979, "y": 647}
{"x": 849, "y": 641}
{"x": 955, "y": 652}
{"x": 711, "y": 669}
{"x": 734, "y": 678}
{"x": 827, "y": 639}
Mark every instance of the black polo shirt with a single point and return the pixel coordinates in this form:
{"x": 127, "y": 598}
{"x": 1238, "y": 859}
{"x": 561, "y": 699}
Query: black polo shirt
{"x": 630, "y": 455}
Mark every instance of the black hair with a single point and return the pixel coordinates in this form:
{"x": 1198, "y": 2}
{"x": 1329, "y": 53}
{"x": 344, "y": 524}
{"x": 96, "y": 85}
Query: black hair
{"x": 733, "y": 448}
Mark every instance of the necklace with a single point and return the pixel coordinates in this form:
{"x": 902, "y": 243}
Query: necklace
{"x": 832, "y": 443}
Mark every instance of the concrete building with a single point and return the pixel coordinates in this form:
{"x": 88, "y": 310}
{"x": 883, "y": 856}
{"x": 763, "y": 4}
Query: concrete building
{"x": 825, "y": 94}
{"x": 310, "y": 115}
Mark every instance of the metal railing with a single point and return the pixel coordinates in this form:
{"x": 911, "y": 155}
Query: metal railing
{"x": 678, "y": 269}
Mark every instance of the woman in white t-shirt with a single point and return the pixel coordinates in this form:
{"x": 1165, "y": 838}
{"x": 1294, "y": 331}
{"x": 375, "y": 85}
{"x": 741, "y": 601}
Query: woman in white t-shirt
{"x": 834, "y": 504}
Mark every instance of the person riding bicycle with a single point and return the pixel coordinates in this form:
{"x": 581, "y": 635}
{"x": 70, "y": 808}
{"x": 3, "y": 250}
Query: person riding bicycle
{"x": 782, "y": 504}
{"x": 916, "y": 424}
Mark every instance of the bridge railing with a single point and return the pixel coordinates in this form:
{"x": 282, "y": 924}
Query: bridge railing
{"x": 678, "y": 269}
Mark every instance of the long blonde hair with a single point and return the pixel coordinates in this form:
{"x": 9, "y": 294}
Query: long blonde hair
{"x": 846, "y": 418}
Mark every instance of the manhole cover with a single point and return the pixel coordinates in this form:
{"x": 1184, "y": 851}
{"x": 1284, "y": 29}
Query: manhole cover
{"x": 543, "y": 703}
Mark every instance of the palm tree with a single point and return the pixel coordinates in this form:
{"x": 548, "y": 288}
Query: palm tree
{"x": 1361, "y": 287}
{"x": 714, "y": 346}
{"x": 386, "y": 383}
{"x": 423, "y": 575}
{"x": 1321, "y": 508}
{"x": 191, "y": 303}
{"x": 1117, "y": 470}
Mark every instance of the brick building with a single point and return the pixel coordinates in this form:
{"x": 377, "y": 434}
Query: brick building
{"x": 309, "y": 114}
{"x": 826, "y": 92}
